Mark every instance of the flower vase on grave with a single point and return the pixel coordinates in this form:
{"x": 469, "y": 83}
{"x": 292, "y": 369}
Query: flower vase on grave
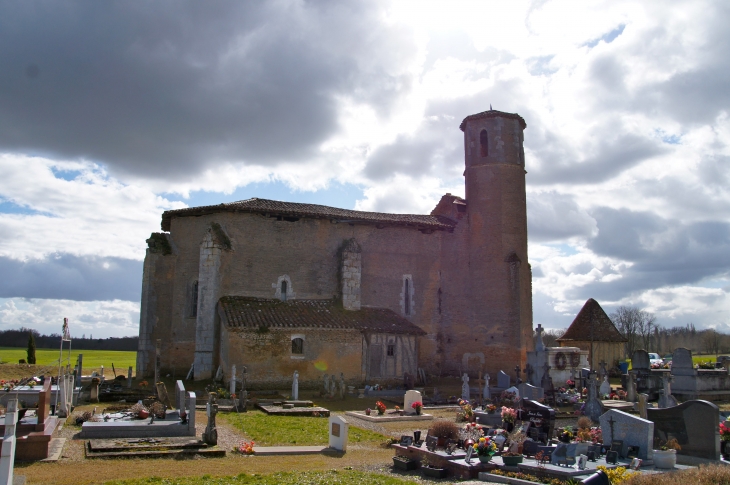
{"x": 725, "y": 449}
{"x": 485, "y": 458}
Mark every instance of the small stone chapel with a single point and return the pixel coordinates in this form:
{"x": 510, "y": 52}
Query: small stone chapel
{"x": 280, "y": 287}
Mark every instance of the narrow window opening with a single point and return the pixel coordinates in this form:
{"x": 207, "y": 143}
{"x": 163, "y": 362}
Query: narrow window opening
{"x": 484, "y": 142}
{"x": 194, "y": 300}
{"x": 283, "y": 291}
{"x": 391, "y": 350}
{"x": 297, "y": 346}
{"x": 407, "y": 298}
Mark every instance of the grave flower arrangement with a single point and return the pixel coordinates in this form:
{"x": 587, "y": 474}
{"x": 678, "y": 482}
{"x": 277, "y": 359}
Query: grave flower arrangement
{"x": 490, "y": 408}
{"x": 596, "y": 435}
{"x": 381, "y": 407}
{"x": 471, "y": 432}
{"x": 246, "y": 447}
{"x": 508, "y": 398}
{"x": 466, "y": 413}
{"x": 725, "y": 431}
{"x": 485, "y": 447}
{"x": 509, "y": 415}
{"x": 570, "y": 383}
{"x": 417, "y": 406}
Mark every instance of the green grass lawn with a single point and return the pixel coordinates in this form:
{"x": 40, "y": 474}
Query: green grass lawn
{"x": 268, "y": 430}
{"x": 282, "y": 478}
{"x": 93, "y": 359}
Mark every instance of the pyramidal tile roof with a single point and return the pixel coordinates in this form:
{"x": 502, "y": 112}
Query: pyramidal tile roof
{"x": 249, "y": 312}
{"x": 592, "y": 316}
{"x": 295, "y": 209}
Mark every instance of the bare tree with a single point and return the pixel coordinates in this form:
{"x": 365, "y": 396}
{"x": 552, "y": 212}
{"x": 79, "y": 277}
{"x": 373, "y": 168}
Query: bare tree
{"x": 712, "y": 341}
{"x": 550, "y": 337}
{"x": 637, "y": 326}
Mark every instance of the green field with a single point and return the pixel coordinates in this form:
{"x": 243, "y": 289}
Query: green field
{"x": 93, "y": 359}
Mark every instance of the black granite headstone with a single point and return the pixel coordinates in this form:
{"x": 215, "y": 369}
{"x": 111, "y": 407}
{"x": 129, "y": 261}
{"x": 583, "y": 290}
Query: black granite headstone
{"x": 612, "y": 457}
{"x": 694, "y": 424}
{"x": 540, "y": 416}
{"x": 530, "y": 448}
{"x": 431, "y": 443}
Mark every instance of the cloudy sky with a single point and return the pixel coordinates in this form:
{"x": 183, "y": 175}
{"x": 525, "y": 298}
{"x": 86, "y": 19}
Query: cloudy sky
{"x": 112, "y": 112}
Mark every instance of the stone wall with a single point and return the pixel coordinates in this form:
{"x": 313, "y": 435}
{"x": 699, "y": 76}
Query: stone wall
{"x": 270, "y": 363}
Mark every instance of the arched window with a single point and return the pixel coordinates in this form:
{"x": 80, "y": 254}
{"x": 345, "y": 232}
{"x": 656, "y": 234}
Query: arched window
{"x": 283, "y": 290}
{"x": 297, "y": 345}
{"x": 194, "y": 299}
{"x": 407, "y": 298}
{"x": 484, "y": 142}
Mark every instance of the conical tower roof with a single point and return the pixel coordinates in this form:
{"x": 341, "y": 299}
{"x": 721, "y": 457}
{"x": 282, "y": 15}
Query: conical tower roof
{"x": 592, "y": 316}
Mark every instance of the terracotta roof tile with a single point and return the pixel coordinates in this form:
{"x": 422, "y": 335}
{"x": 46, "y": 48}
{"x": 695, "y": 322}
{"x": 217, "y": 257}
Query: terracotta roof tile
{"x": 241, "y": 311}
{"x": 295, "y": 209}
{"x": 592, "y": 316}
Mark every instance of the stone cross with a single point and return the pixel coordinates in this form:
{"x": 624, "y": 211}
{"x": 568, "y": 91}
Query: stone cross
{"x": 210, "y": 435}
{"x": 342, "y": 385}
{"x": 631, "y": 393}
{"x": 232, "y": 384}
{"x": 326, "y": 384}
{"x": 465, "y": 394}
{"x": 333, "y": 385}
{"x": 129, "y": 377}
{"x": 539, "y": 345}
{"x": 603, "y": 370}
{"x": 518, "y": 381}
{"x": 295, "y": 386}
{"x": 479, "y": 383}
{"x": 666, "y": 400}
{"x": 7, "y": 452}
{"x": 528, "y": 372}
{"x": 486, "y": 394}
{"x": 545, "y": 376}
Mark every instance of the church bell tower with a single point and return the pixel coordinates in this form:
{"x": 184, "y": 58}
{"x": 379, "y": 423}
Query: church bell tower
{"x": 500, "y": 278}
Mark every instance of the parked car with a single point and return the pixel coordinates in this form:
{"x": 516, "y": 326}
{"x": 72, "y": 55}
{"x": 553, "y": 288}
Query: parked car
{"x": 655, "y": 359}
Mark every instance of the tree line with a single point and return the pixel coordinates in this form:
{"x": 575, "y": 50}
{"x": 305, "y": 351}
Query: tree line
{"x": 641, "y": 331}
{"x": 21, "y": 338}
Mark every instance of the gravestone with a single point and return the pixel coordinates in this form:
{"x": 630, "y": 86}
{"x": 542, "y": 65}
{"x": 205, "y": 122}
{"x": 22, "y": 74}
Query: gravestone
{"x": 129, "y": 376}
{"x": 539, "y": 345}
{"x": 694, "y": 424}
{"x": 411, "y": 397}
{"x": 593, "y": 408}
{"x": 158, "y": 361}
{"x": 333, "y": 385}
{"x": 465, "y": 387}
{"x": 682, "y": 363}
{"x": 486, "y": 394}
{"x": 528, "y": 391}
{"x": 7, "y": 452}
{"x": 632, "y": 431}
{"x": 80, "y": 366}
{"x": 210, "y": 435}
{"x": 339, "y": 430}
{"x": 666, "y": 400}
{"x": 162, "y": 394}
{"x": 643, "y": 405}
{"x": 219, "y": 375}
{"x": 605, "y": 389}
{"x": 542, "y": 418}
{"x": 232, "y": 384}
{"x": 180, "y": 396}
{"x": 502, "y": 380}
{"x": 295, "y": 386}
{"x": 640, "y": 360}
{"x": 94, "y": 389}
{"x": 326, "y": 383}
{"x": 190, "y": 411}
{"x": 343, "y": 387}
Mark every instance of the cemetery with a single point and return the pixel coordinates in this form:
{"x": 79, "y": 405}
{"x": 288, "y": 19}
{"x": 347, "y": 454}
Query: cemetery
{"x": 547, "y": 425}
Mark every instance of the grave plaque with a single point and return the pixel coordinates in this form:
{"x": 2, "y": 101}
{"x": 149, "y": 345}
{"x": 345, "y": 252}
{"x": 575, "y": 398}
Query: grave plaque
{"x": 469, "y": 453}
{"x": 694, "y": 424}
{"x": 431, "y": 442}
{"x": 336, "y": 431}
{"x": 339, "y": 431}
{"x": 682, "y": 364}
{"x": 405, "y": 440}
{"x": 612, "y": 457}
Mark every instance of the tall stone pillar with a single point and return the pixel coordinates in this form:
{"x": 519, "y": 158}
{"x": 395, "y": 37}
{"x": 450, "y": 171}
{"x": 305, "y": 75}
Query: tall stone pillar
{"x": 351, "y": 275}
{"x": 209, "y": 282}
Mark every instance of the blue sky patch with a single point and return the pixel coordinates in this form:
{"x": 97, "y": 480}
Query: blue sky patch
{"x": 609, "y": 37}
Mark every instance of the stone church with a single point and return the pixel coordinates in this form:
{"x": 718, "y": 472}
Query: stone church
{"x": 280, "y": 286}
